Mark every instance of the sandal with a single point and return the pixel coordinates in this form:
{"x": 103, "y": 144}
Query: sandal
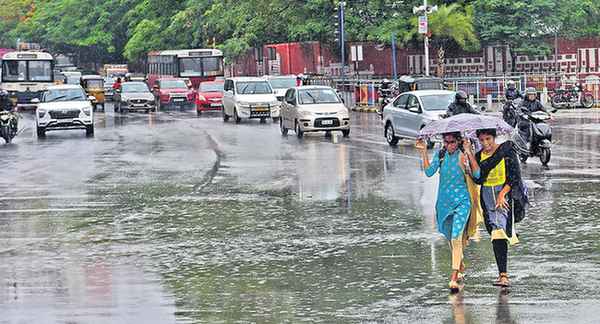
{"x": 453, "y": 284}
{"x": 502, "y": 280}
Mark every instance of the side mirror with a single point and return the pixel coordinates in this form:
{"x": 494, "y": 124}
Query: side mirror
{"x": 291, "y": 102}
{"x": 35, "y": 101}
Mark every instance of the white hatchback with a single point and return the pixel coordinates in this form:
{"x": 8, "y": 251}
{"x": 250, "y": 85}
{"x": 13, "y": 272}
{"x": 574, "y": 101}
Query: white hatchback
{"x": 64, "y": 107}
{"x": 249, "y": 98}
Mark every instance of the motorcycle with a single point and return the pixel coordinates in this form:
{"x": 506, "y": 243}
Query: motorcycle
{"x": 510, "y": 111}
{"x": 571, "y": 99}
{"x": 533, "y": 136}
{"x": 8, "y": 126}
{"x": 386, "y": 95}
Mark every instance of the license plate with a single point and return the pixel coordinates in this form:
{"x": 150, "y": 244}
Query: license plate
{"x": 179, "y": 100}
{"x": 216, "y": 105}
{"x": 65, "y": 121}
{"x": 327, "y": 122}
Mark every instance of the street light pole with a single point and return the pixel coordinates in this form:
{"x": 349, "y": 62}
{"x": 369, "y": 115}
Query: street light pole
{"x": 426, "y": 40}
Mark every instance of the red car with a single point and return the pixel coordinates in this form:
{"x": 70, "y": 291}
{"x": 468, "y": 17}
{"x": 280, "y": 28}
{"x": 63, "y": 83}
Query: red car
{"x": 210, "y": 96}
{"x": 172, "y": 92}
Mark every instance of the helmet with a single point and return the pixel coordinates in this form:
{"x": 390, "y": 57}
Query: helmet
{"x": 530, "y": 92}
{"x": 511, "y": 84}
{"x": 461, "y": 96}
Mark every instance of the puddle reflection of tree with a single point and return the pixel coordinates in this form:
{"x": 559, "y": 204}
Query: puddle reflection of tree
{"x": 463, "y": 315}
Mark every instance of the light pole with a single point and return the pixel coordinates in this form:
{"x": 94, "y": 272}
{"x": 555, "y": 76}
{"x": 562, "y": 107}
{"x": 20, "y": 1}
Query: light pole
{"x": 341, "y": 33}
{"x": 423, "y": 11}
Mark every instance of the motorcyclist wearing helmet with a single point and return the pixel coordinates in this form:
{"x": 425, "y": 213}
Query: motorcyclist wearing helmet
{"x": 512, "y": 93}
{"x": 531, "y": 102}
{"x": 460, "y": 105}
{"x": 5, "y": 103}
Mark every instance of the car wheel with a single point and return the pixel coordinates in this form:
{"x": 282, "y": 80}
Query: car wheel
{"x": 41, "y": 131}
{"x": 545, "y": 155}
{"x": 346, "y": 132}
{"x": 299, "y": 131}
{"x": 390, "y": 136}
{"x": 284, "y": 130}
{"x": 117, "y": 109}
{"x": 94, "y": 107}
{"x": 263, "y": 120}
{"x": 236, "y": 118}
{"x": 225, "y": 116}
{"x": 89, "y": 130}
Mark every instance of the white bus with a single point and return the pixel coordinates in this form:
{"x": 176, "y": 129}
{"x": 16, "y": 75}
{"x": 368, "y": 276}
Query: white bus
{"x": 26, "y": 75}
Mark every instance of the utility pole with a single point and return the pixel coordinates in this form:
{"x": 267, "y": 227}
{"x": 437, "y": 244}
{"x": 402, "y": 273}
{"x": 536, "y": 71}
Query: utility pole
{"x": 394, "y": 63}
{"x": 423, "y": 11}
{"x": 340, "y": 32}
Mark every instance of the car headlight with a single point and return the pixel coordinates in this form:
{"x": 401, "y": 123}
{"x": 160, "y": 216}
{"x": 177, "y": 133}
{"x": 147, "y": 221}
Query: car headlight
{"x": 276, "y": 104}
{"x": 201, "y": 97}
{"x": 41, "y": 113}
{"x": 87, "y": 111}
{"x": 244, "y": 104}
{"x": 305, "y": 113}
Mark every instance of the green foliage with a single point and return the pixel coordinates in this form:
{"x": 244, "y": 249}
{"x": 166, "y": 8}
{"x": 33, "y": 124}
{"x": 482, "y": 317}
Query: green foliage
{"x": 110, "y": 30}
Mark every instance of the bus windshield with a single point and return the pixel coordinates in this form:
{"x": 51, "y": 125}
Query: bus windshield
{"x": 26, "y": 71}
{"x": 200, "y": 66}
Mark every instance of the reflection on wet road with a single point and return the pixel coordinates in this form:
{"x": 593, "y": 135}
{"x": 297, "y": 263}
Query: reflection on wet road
{"x": 169, "y": 217}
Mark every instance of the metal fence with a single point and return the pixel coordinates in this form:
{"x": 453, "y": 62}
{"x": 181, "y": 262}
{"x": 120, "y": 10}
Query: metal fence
{"x": 363, "y": 92}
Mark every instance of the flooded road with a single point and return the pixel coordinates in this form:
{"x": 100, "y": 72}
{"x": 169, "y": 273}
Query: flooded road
{"x": 173, "y": 218}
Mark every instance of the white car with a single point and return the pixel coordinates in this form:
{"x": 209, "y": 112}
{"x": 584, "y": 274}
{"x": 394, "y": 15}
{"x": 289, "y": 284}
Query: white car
{"x": 64, "y": 107}
{"x": 314, "y": 109}
{"x": 410, "y": 111}
{"x": 249, "y": 98}
{"x": 281, "y": 84}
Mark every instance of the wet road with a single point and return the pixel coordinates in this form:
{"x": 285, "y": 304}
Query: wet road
{"x": 173, "y": 218}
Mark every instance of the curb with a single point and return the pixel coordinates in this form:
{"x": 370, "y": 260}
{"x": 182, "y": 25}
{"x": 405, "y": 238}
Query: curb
{"x": 365, "y": 109}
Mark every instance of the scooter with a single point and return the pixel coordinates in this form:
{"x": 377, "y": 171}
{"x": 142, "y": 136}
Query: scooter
{"x": 511, "y": 111}
{"x": 533, "y": 136}
{"x": 8, "y": 126}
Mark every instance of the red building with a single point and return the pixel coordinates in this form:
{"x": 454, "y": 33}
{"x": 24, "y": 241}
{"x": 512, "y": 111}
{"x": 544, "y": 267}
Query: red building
{"x": 575, "y": 57}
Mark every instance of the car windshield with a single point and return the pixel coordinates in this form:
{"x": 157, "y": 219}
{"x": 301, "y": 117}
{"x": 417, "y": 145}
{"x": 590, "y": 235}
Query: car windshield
{"x": 173, "y": 84}
{"x": 256, "y": 87}
{"x": 134, "y": 87}
{"x": 437, "y": 102}
{"x": 283, "y": 83}
{"x": 72, "y": 94}
{"x": 211, "y": 87}
{"x": 317, "y": 96}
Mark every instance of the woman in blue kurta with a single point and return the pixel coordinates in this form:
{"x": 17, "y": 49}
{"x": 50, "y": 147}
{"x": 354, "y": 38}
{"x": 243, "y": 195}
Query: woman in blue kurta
{"x": 453, "y": 202}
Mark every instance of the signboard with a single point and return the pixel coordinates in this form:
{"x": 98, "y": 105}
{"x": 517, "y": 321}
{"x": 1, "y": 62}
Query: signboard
{"x": 423, "y": 25}
{"x": 356, "y": 53}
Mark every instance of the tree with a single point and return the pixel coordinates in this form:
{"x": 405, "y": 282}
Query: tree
{"x": 450, "y": 26}
{"x": 520, "y": 25}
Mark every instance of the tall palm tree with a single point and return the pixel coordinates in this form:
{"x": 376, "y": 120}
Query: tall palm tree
{"x": 449, "y": 25}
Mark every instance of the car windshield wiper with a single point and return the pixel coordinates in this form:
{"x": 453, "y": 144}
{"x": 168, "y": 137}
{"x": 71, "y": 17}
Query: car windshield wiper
{"x": 244, "y": 89}
{"x": 56, "y": 98}
{"x": 311, "y": 96}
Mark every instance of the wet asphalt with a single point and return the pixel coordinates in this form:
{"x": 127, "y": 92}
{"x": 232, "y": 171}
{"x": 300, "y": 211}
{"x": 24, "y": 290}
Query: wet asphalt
{"x": 178, "y": 218}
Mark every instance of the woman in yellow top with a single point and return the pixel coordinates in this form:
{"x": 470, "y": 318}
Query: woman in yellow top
{"x": 503, "y": 195}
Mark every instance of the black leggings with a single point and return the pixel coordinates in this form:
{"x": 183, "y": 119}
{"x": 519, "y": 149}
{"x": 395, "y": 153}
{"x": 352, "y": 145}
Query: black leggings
{"x": 501, "y": 253}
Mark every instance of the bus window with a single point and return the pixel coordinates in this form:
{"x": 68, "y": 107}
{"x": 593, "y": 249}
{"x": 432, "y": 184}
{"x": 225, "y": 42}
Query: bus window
{"x": 211, "y": 65}
{"x": 40, "y": 71}
{"x": 190, "y": 67}
{"x": 14, "y": 71}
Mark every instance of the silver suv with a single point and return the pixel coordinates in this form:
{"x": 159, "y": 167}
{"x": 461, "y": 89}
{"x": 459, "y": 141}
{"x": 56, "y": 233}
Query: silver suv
{"x": 409, "y": 112}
